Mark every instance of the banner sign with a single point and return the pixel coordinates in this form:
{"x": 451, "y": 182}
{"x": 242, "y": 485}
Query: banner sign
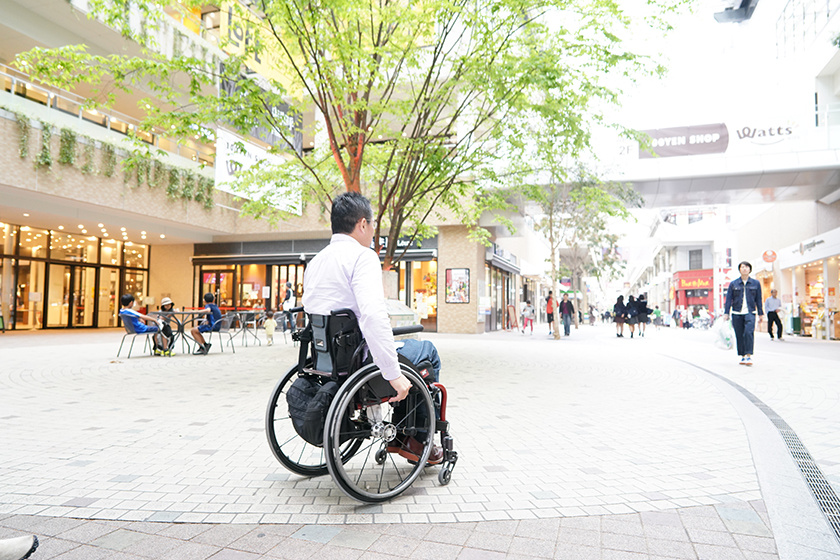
{"x": 686, "y": 141}
{"x": 695, "y": 283}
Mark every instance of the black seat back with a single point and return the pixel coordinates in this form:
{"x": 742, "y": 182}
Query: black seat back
{"x": 335, "y": 338}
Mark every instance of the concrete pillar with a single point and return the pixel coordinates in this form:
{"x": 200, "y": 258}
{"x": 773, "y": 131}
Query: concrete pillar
{"x": 831, "y": 279}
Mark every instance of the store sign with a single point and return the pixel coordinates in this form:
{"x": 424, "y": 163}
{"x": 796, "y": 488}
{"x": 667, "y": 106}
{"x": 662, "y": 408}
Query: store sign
{"x": 233, "y": 155}
{"x": 686, "y": 141}
{"x": 769, "y": 256}
{"x": 695, "y": 283}
{"x": 808, "y": 246}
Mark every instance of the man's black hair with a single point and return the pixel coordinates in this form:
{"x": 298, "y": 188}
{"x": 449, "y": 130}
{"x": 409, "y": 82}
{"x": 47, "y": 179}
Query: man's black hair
{"x": 746, "y": 263}
{"x": 347, "y": 209}
{"x": 208, "y": 297}
{"x": 126, "y": 299}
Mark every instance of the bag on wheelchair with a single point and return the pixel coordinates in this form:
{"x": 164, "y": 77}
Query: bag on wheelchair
{"x": 308, "y": 403}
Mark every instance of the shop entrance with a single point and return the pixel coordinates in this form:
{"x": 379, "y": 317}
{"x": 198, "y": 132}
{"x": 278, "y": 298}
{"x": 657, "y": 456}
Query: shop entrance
{"x": 71, "y": 296}
{"x": 220, "y": 283}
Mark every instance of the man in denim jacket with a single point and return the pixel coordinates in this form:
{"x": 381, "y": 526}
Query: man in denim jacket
{"x": 743, "y": 299}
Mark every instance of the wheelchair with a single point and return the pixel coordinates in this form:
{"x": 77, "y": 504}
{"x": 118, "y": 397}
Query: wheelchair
{"x": 361, "y": 432}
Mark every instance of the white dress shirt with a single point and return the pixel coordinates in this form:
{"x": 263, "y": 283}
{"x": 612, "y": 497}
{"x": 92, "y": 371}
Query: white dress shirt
{"x": 347, "y": 275}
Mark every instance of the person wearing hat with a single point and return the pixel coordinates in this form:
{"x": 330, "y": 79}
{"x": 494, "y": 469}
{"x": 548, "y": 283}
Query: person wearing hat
{"x": 168, "y": 306}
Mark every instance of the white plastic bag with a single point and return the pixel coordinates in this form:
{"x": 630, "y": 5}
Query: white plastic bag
{"x": 724, "y": 336}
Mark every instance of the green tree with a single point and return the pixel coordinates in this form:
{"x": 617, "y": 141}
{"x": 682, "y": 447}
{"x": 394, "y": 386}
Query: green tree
{"x": 423, "y": 104}
{"x": 577, "y": 210}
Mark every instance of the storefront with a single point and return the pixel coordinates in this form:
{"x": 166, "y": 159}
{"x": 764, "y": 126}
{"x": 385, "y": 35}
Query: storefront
{"x": 253, "y": 275}
{"x": 694, "y": 290}
{"x": 809, "y": 285}
{"x": 56, "y": 279}
{"x": 500, "y": 272}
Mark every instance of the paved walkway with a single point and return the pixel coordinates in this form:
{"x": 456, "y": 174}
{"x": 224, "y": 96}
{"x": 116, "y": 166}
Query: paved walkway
{"x": 588, "y": 447}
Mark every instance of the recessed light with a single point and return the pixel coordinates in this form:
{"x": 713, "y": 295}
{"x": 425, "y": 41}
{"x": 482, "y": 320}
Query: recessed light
{"x": 142, "y": 233}
{"x": 25, "y": 214}
{"x": 84, "y": 231}
{"x": 81, "y": 226}
{"x": 162, "y": 236}
{"x": 60, "y": 227}
{"x": 105, "y": 234}
{"x": 100, "y": 225}
{"x": 122, "y": 229}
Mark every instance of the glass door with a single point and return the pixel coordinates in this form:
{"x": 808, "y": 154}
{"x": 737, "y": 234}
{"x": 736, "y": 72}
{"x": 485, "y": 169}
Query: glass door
{"x": 29, "y": 292}
{"x": 83, "y": 298}
{"x": 109, "y": 282}
{"x": 58, "y": 296}
{"x": 220, "y": 283}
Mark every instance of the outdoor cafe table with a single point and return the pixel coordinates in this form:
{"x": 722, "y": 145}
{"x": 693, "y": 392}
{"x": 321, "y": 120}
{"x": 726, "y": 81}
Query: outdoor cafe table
{"x": 182, "y": 319}
{"x": 248, "y": 320}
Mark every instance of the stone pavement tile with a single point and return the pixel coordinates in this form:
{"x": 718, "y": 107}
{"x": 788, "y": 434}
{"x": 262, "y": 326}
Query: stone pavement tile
{"x": 330, "y": 552}
{"x": 609, "y": 554}
{"x": 757, "y": 544}
{"x": 88, "y": 531}
{"x": 257, "y": 542}
{"x": 435, "y": 551}
{"x": 538, "y": 548}
{"x": 50, "y": 547}
{"x": 395, "y": 544}
{"x": 711, "y": 552}
{"x": 154, "y": 546}
{"x": 351, "y": 537}
{"x": 184, "y": 531}
{"x": 193, "y": 551}
{"x": 316, "y": 533}
{"x": 295, "y": 549}
{"x": 223, "y": 535}
{"x": 579, "y": 536}
{"x": 498, "y": 527}
{"x": 565, "y": 551}
{"x": 671, "y": 549}
{"x": 227, "y": 554}
{"x": 622, "y": 525}
{"x": 668, "y": 518}
{"x": 85, "y": 552}
{"x": 666, "y": 532}
{"x": 753, "y": 555}
{"x": 478, "y": 554}
{"x": 448, "y": 534}
{"x": 619, "y": 541}
{"x": 545, "y": 529}
{"x": 718, "y": 538}
{"x": 121, "y": 539}
{"x": 52, "y": 526}
{"x": 489, "y": 541}
{"x": 589, "y": 523}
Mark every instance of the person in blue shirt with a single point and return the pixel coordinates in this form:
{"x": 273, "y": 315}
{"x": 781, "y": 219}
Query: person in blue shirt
{"x": 743, "y": 299}
{"x": 212, "y": 323}
{"x": 138, "y": 321}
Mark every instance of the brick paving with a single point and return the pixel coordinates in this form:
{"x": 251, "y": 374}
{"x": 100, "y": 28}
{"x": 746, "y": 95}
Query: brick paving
{"x": 588, "y": 447}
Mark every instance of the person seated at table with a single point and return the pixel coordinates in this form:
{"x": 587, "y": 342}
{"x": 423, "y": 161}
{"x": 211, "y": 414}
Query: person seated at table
{"x": 128, "y": 314}
{"x": 168, "y": 306}
{"x": 213, "y": 322}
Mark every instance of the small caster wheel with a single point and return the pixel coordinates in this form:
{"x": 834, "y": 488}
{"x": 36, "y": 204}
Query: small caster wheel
{"x": 444, "y": 476}
{"x": 380, "y": 456}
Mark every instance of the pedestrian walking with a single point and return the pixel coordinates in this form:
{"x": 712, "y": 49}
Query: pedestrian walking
{"x": 550, "y": 304}
{"x": 657, "y": 317}
{"x": 743, "y": 300}
{"x": 632, "y": 314}
{"x": 566, "y": 311}
{"x": 643, "y": 312}
{"x": 528, "y": 314}
{"x": 773, "y": 306}
{"x": 618, "y": 313}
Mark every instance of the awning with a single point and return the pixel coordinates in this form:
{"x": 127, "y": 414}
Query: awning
{"x": 502, "y": 263}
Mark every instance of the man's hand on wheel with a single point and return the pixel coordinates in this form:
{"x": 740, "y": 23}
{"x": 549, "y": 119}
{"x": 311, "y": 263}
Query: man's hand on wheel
{"x": 401, "y": 385}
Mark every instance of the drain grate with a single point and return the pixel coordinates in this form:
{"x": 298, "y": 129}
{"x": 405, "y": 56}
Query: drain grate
{"x": 820, "y": 488}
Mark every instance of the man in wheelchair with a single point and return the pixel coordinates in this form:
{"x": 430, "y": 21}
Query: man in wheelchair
{"x": 347, "y": 275}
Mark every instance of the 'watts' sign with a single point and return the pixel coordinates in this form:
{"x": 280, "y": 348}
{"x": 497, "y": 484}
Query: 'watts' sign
{"x": 687, "y": 141}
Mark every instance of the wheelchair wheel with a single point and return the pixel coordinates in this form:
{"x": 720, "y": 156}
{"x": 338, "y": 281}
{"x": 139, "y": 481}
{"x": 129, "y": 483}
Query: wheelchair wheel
{"x": 295, "y": 453}
{"x": 377, "y": 472}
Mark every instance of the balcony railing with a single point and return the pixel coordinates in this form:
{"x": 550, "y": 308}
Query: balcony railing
{"x": 800, "y": 22}
{"x": 19, "y": 83}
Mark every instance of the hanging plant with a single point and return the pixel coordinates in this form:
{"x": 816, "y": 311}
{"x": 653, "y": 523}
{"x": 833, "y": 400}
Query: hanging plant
{"x": 173, "y": 189}
{"x": 23, "y": 134}
{"x": 87, "y": 154}
{"x": 129, "y": 168}
{"x": 67, "y": 147}
{"x": 109, "y": 160}
{"x": 190, "y": 185}
{"x": 206, "y": 190}
{"x": 45, "y": 155}
{"x": 157, "y": 174}
{"x": 143, "y": 171}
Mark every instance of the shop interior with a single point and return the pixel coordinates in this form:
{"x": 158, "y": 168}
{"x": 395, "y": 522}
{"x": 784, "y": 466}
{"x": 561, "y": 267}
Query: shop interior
{"x": 418, "y": 289}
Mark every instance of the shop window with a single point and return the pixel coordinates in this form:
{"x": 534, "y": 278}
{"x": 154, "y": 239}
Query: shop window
{"x": 252, "y": 280}
{"x": 71, "y": 247}
{"x": 695, "y": 216}
{"x": 8, "y": 237}
{"x": 33, "y": 242}
{"x": 29, "y": 295}
{"x": 695, "y": 259}
{"x": 136, "y": 255}
{"x": 111, "y": 252}
{"x": 135, "y": 284}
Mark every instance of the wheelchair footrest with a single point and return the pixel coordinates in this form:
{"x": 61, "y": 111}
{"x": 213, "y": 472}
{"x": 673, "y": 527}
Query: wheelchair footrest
{"x": 442, "y": 426}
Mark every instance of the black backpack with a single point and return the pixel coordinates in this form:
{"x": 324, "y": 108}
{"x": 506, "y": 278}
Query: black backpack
{"x": 309, "y": 402}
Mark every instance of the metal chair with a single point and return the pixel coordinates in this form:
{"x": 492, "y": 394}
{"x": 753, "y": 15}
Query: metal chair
{"x": 224, "y": 328}
{"x": 129, "y": 331}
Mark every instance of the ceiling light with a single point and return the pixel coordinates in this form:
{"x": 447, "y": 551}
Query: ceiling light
{"x": 105, "y": 234}
{"x": 84, "y": 231}
{"x": 142, "y": 233}
{"x": 26, "y": 214}
{"x": 25, "y": 228}
{"x": 60, "y": 227}
{"x": 162, "y": 236}
{"x": 122, "y": 229}
{"x": 100, "y": 225}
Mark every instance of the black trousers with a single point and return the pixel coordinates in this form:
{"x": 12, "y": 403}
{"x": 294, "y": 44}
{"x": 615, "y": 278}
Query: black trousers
{"x": 773, "y": 319}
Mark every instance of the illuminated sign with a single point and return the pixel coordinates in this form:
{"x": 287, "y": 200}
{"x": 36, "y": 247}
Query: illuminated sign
{"x": 695, "y": 283}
